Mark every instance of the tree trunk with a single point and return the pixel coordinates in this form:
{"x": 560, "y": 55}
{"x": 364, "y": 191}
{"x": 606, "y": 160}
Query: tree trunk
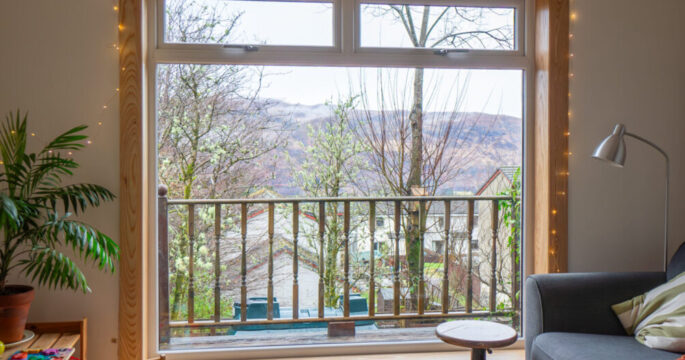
{"x": 183, "y": 243}
{"x": 412, "y": 243}
{"x": 331, "y": 256}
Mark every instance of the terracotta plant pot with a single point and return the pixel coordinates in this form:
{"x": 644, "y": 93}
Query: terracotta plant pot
{"x": 14, "y": 310}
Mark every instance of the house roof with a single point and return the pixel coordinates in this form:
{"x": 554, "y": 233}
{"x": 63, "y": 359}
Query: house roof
{"x": 509, "y": 171}
{"x": 506, "y": 171}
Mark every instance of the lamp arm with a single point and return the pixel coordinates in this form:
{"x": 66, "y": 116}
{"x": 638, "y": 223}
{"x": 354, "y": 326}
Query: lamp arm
{"x": 668, "y": 174}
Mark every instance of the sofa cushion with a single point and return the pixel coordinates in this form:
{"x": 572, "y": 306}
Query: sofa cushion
{"x": 677, "y": 264}
{"x": 657, "y": 318}
{"x": 572, "y": 346}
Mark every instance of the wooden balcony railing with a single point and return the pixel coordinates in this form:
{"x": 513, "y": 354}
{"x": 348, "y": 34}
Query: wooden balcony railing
{"x": 165, "y": 323}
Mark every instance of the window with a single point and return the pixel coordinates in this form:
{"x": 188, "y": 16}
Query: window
{"x": 439, "y": 246}
{"x": 244, "y": 22}
{"x": 250, "y": 99}
{"x": 452, "y": 27}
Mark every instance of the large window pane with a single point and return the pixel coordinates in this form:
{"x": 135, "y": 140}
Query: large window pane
{"x": 438, "y": 27}
{"x": 255, "y": 132}
{"x": 249, "y": 22}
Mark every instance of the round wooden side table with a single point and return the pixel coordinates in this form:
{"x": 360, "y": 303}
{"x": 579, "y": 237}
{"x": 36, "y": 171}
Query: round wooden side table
{"x": 479, "y": 335}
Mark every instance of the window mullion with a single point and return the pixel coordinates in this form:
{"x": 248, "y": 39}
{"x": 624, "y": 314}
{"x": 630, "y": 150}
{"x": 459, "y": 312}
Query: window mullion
{"x": 348, "y": 25}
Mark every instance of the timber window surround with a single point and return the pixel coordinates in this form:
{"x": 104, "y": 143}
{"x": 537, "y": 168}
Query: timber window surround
{"x": 347, "y": 36}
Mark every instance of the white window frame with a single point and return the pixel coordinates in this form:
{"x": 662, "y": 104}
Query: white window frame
{"x": 346, "y": 51}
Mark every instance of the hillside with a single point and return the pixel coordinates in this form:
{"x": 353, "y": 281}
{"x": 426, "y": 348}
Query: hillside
{"x": 493, "y": 140}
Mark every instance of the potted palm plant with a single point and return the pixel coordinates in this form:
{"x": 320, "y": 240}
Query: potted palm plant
{"x": 37, "y": 221}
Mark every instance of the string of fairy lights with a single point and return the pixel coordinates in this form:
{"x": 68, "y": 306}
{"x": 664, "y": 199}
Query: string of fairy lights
{"x": 106, "y": 105}
{"x": 573, "y": 17}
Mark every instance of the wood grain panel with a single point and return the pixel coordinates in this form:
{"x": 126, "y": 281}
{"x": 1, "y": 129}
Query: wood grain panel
{"x": 45, "y": 341}
{"x": 551, "y": 136}
{"x": 67, "y": 341}
{"x": 131, "y": 191}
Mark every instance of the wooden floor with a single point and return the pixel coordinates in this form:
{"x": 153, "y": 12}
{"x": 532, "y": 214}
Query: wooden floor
{"x": 453, "y": 355}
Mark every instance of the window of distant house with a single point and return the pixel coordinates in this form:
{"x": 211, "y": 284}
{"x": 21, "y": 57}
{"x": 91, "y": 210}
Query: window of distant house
{"x": 265, "y": 112}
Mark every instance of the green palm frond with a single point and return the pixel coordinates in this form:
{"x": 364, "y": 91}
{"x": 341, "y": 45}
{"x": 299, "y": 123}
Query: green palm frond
{"x": 9, "y": 215}
{"x": 13, "y": 138}
{"x": 70, "y": 140}
{"x": 50, "y": 267}
{"x": 90, "y": 243}
{"x": 47, "y": 172}
{"x": 76, "y": 197}
{"x": 31, "y": 192}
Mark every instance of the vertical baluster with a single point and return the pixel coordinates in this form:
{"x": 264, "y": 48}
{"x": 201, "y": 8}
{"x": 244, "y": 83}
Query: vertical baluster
{"x": 372, "y": 260}
{"x": 515, "y": 275}
{"x": 270, "y": 284}
{"x": 445, "y": 259}
{"x": 346, "y": 261}
{"x": 243, "y": 262}
{"x": 469, "y": 274}
{"x": 191, "y": 263}
{"x": 163, "y": 266}
{"x": 493, "y": 261}
{"x": 422, "y": 290}
{"x": 396, "y": 265}
{"x": 296, "y": 286}
{"x": 322, "y": 229}
{"x": 217, "y": 262}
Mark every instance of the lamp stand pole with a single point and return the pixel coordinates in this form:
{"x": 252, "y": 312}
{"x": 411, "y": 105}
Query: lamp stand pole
{"x": 668, "y": 174}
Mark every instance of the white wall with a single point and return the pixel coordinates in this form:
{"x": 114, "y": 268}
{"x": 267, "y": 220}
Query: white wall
{"x": 56, "y": 61}
{"x": 629, "y": 67}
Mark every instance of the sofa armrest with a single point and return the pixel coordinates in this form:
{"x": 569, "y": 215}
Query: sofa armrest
{"x": 580, "y": 302}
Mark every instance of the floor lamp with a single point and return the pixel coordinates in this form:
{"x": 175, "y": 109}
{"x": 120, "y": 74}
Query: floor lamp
{"x": 613, "y": 150}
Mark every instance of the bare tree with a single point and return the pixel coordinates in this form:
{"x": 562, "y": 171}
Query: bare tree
{"x": 410, "y": 165}
{"x": 211, "y": 124}
{"x": 333, "y": 160}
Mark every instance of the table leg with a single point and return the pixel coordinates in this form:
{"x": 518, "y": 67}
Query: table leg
{"x": 477, "y": 354}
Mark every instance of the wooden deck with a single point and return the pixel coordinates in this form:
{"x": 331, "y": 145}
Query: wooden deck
{"x": 301, "y": 337}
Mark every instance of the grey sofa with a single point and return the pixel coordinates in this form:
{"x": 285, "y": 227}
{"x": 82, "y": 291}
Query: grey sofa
{"x": 569, "y": 316}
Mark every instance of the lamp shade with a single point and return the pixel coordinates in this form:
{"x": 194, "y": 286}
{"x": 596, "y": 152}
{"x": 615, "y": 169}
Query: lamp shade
{"x": 613, "y": 147}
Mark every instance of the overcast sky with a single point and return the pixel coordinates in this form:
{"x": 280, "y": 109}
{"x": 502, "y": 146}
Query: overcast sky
{"x": 290, "y": 23}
